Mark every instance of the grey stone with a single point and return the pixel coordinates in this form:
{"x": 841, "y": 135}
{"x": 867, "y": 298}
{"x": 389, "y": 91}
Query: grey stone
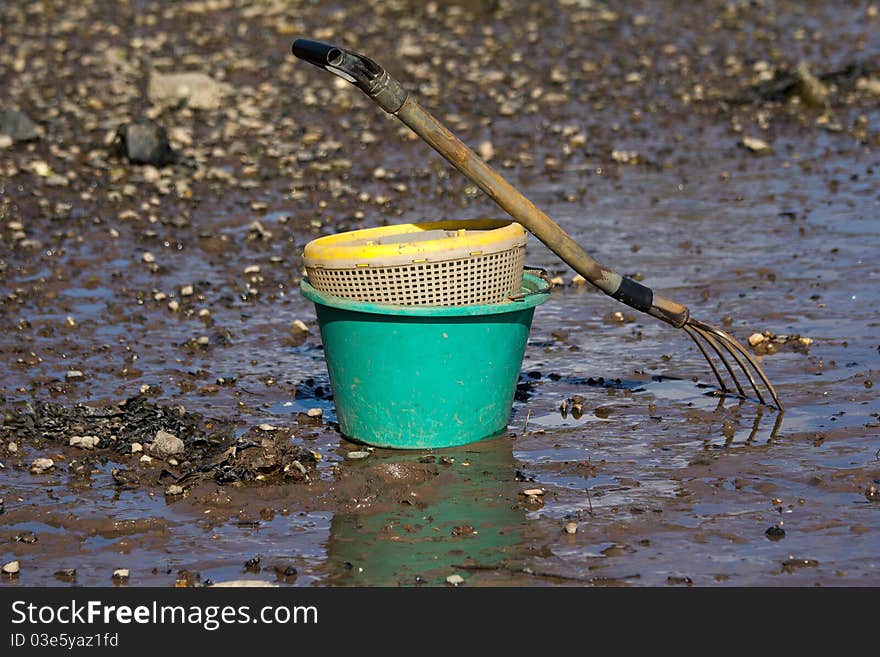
{"x": 144, "y": 142}
{"x": 18, "y": 125}
{"x": 166, "y": 444}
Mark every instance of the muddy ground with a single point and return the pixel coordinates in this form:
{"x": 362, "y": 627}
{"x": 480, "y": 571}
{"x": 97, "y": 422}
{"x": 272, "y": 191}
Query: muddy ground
{"x": 166, "y": 297}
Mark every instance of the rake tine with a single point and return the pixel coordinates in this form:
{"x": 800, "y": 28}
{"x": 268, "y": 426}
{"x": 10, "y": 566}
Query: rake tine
{"x": 739, "y": 361}
{"x": 734, "y": 347}
{"x": 692, "y": 334}
{"x": 712, "y": 343}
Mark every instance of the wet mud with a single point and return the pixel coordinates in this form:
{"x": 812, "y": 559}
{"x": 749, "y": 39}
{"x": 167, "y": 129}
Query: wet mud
{"x": 157, "y": 350}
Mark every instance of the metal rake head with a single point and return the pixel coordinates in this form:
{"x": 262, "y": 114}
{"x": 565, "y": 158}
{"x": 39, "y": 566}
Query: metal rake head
{"x": 720, "y": 342}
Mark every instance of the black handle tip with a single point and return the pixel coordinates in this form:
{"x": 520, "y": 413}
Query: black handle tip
{"x": 316, "y": 52}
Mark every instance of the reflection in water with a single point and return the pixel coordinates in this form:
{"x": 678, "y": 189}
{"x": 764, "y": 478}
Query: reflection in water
{"x": 425, "y": 519}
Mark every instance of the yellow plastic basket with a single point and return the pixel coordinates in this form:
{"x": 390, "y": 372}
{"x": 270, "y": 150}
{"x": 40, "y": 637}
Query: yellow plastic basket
{"x": 440, "y": 263}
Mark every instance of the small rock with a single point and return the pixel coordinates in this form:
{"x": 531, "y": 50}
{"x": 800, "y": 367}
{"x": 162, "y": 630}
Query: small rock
{"x": 813, "y": 92}
{"x": 299, "y": 326}
{"x": 120, "y": 574}
{"x": 533, "y": 492}
{"x": 18, "y": 126}
{"x": 144, "y": 142}
{"x": 136, "y": 448}
{"x": 85, "y": 442}
{"x": 775, "y": 533}
{"x": 186, "y": 291}
{"x": 455, "y": 580}
{"x": 148, "y": 257}
{"x": 486, "y": 150}
{"x": 314, "y": 412}
{"x": 12, "y": 447}
{"x": 571, "y": 527}
{"x": 805, "y": 341}
{"x": 195, "y": 90}
{"x": 145, "y": 459}
{"x": 267, "y": 427}
{"x": 5, "y": 141}
{"x": 74, "y": 375}
{"x": 625, "y": 157}
{"x": 166, "y": 444}
{"x": 66, "y": 574}
{"x": 357, "y": 455}
{"x": 39, "y": 466}
{"x": 578, "y": 280}
{"x": 791, "y": 564}
{"x": 872, "y": 493}
{"x": 756, "y": 145}
{"x": 756, "y": 339}
{"x": 174, "y": 489}
{"x": 11, "y": 568}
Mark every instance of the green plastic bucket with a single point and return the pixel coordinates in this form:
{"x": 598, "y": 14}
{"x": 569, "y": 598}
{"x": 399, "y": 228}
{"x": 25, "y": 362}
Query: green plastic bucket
{"x": 418, "y": 377}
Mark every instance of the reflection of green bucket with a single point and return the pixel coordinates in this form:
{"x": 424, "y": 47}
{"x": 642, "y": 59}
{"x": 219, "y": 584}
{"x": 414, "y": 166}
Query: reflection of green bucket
{"x": 470, "y": 512}
{"x": 416, "y": 377}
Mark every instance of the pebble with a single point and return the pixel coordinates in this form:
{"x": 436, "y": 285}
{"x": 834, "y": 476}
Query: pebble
{"x": 314, "y": 412}
{"x": 166, "y": 444}
{"x": 5, "y": 141}
{"x": 775, "y": 533}
{"x": 625, "y": 157}
{"x": 455, "y": 580}
{"x": 11, "y": 568}
{"x": 571, "y": 527}
{"x": 174, "y": 489}
{"x": 173, "y": 306}
{"x": 813, "y": 92}
{"x": 299, "y": 325}
{"x": 756, "y": 145}
{"x": 354, "y": 456}
{"x": 267, "y": 427}
{"x": 12, "y": 447}
{"x": 533, "y": 492}
{"x": 872, "y": 493}
{"x": 144, "y": 142}
{"x": 756, "y": 339}
{"x": 74, "y": 375}
{"x": 486, "y": 150}
{"x": 146, "y": 459}
{"x": 120, "y": 574}
{"x": 18, "y": 126}
{"x": 148, "y": 257}
{"x": 187, "y": 291}
{"x": 85, "y": 442}
{"x": 136, "y": 448}
{"x": 41, "y": 465}
{"x": 578, "y": 280}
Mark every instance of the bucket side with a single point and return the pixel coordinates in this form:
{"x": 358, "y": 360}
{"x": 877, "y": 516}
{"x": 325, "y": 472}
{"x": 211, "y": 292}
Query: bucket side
{"x": 415, "y": 382}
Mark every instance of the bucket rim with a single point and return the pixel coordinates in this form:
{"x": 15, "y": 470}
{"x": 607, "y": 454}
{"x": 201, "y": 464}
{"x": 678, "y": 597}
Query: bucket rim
{"x": 532, "y": 285}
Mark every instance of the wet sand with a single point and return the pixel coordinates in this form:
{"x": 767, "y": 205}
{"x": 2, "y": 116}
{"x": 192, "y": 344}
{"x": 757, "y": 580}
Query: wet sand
{"x": 624, "y": 122}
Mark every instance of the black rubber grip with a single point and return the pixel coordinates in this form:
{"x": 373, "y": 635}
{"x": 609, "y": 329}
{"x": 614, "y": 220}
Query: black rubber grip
{"x": 635, "y": 295}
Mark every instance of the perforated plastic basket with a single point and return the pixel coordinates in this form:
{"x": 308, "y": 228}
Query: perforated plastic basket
{"x": 441, "y": 263}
